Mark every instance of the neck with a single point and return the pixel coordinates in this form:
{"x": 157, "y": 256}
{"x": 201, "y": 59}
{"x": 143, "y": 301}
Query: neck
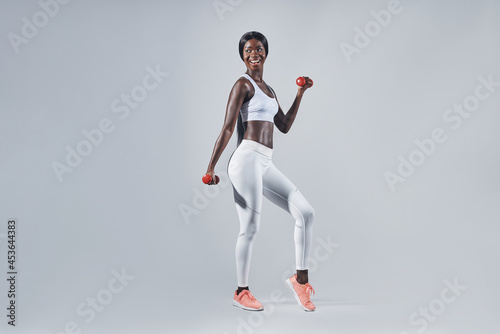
{"x": 255, "y": 74}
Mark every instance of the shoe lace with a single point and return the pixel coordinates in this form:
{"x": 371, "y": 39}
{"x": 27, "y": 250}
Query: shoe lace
{"x": 309, "y": 289}
{"x": 248, "y": 295}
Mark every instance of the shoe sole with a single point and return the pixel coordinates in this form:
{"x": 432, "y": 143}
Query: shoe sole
{"x": 236, "y": 304}
{"x": 290, "y": 286}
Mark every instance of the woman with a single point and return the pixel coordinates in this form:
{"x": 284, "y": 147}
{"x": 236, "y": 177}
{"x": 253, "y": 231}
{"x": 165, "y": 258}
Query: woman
{"x": 254, "y": 105}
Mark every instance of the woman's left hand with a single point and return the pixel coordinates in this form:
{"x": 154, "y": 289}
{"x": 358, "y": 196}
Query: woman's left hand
{"x": 307, "y": 85}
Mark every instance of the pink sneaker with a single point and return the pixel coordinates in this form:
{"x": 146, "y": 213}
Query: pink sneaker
{"x": 302, "y": 293}
{"x": 246, "y": 301}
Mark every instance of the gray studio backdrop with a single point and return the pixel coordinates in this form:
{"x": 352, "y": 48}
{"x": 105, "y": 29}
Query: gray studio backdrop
{"x": 109, "y": 113}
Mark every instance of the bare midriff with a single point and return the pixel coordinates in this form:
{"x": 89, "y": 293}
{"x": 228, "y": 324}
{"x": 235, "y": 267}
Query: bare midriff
{"x": 260, "y": 131}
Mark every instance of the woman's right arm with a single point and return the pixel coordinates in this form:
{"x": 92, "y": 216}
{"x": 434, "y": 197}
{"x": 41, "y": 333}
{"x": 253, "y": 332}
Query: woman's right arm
{"x": 236, "y": 98}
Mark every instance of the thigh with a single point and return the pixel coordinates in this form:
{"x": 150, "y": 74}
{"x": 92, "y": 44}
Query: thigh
{"x": 282, "y": 192}
{"x": 245, "y": 173}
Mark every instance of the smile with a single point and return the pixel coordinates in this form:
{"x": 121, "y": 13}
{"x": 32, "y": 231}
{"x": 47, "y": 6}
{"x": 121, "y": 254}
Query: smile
{"x": 255, "y": 62}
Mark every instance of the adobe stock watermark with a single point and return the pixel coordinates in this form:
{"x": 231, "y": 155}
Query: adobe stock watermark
{"x": 120, "y": 108}
{"x": 453, "y": 117}
{"x": 421, "y": 318}
{"x": 88, "y": 309}
{"x": 201, "y": 198}
{"x": 223, "y": 6}
{"x": 373, "y": 28}
{"x": 30, "y": 27}
{"x": 324, "y": 249}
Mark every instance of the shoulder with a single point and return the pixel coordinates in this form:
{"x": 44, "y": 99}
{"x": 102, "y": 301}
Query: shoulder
{"x": 243, "y": 82}
{"x": 243, "y": 86}
{"x": 270, "y": 88}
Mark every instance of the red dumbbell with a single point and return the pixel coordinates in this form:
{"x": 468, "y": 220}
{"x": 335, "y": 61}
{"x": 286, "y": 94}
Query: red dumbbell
{"x": 207, "y": 179}
{"x": 301, "y": 81}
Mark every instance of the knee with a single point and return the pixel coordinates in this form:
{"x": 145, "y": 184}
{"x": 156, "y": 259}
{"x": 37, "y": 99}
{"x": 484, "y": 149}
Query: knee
{"x": 251, "y": 230}
{"x": 304, "y": 216}
{"x": 308, "y": 215}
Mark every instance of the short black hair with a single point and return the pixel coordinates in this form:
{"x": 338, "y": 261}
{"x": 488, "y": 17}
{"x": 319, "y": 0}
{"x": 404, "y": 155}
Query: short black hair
{"x": 253, "y": 35}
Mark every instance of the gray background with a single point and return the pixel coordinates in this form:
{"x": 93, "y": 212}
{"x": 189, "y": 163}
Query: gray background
{"x": 120, "y": 209}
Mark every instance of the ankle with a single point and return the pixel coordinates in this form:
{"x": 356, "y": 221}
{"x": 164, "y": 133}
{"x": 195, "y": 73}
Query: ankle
{"x": 302, "y": 276}
{"x": 241, "y": 289}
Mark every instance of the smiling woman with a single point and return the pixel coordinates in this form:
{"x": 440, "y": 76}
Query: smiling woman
{"x": 253, "y": 175}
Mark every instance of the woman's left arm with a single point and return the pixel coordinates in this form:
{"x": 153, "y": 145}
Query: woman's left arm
{"x": 284, "y": 121}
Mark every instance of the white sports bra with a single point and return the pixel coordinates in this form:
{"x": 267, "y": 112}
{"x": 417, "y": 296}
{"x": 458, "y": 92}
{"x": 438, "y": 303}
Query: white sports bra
{"x": 260, "y": 107}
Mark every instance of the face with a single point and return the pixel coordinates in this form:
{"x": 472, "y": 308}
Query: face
{"x": 254, "y": 54}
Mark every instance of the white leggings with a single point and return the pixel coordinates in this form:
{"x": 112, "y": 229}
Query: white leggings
{"x": 253, "y": 174}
